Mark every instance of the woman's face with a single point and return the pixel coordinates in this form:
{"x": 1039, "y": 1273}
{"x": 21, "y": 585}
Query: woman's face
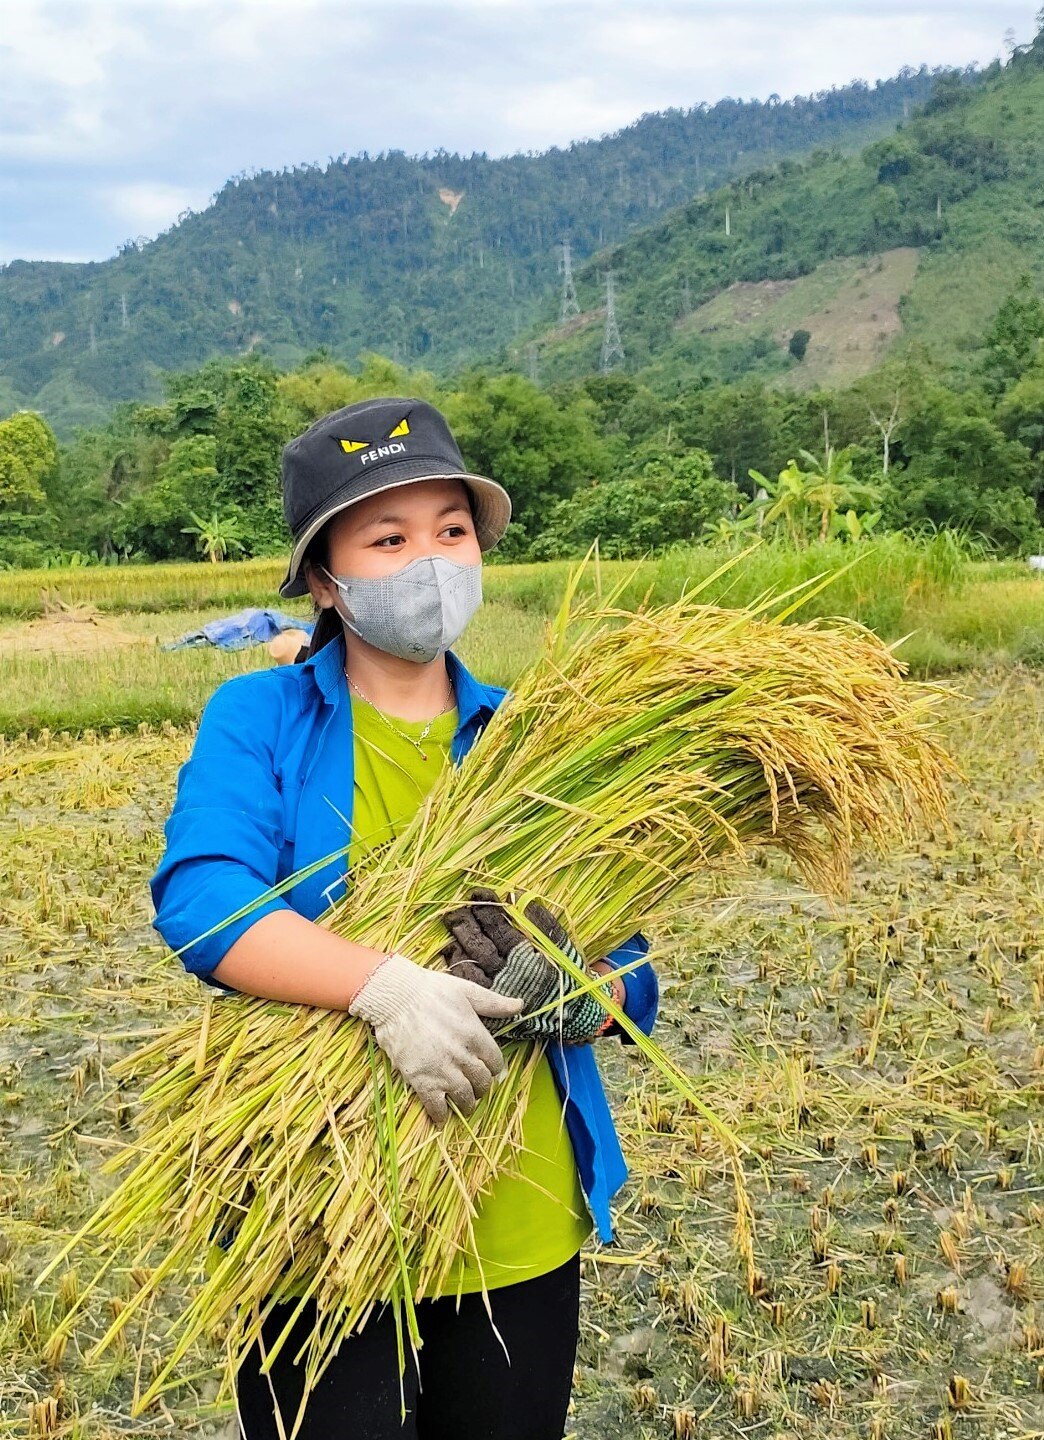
{"x": 386, "y": 531}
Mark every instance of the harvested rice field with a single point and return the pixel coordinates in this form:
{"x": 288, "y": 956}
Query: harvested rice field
{"x": 881, "y": 1273}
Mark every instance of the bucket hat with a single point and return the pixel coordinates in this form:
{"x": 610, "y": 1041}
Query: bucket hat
{"x": 362, "y": 449}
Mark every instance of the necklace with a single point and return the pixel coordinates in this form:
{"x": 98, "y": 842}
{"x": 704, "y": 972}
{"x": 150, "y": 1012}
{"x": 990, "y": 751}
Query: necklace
{"x": 394, "y": 728}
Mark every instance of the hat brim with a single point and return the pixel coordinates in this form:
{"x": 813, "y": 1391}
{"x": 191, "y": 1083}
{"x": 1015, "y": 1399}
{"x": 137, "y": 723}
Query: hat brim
{"x": 490, "y": 501}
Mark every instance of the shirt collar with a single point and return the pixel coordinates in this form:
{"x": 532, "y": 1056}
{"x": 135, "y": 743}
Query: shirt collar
{"x": 327, "y": 667}
{"x": 473, "y": 698}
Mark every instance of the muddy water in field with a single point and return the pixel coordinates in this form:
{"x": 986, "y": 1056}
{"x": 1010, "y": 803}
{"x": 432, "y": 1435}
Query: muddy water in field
{"x": 882, "y": 1065}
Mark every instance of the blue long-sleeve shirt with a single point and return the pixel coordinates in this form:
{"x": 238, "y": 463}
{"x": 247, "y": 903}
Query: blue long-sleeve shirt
{"x": 267, "y": 792}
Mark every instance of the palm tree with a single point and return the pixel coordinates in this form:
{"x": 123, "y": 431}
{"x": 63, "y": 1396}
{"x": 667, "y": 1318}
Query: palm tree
{"x": 216, "y": 536}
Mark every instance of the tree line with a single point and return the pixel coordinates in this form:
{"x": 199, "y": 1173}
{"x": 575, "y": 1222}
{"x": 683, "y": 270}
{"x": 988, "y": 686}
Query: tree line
{"x": 907, "y": 448}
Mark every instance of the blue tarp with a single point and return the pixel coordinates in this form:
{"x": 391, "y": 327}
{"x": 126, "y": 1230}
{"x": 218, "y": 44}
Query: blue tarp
{"x": 236, "y": 632}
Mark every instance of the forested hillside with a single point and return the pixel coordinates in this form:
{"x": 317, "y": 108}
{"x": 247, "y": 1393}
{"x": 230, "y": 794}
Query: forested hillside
{"x": 911, "y": 447}
{"x": 439, "y": 260}
{"x": 915, "y": 241}
{"x": 830, "y": 346}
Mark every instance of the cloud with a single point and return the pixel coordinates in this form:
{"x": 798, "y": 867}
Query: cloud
{"x": 800, "y": 50}
{"x": 116, "y": 115}
{"x": 148, "y": 206}
{"x": 54, "y": 73}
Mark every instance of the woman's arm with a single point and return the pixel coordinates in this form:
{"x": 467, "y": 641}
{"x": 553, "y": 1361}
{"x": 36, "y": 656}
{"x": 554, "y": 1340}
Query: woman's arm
{"x": 225, "y": 830}
{"x": 283, "y": 956}
{"x": 603, "y": 967}
{"x": 223, "y": 842}
{"x": 641, "y": 988}
{"x": 215, "y": 907}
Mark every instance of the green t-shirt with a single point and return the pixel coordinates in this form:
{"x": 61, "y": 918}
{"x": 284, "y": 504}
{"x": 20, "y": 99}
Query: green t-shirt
{"x": 534, "y": 1217}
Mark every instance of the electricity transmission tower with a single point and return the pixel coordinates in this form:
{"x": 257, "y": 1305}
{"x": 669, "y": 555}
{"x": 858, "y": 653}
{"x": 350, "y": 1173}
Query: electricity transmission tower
{"x": 612, "y": 345}
{"x": 570, "y": 304}
{"x": 533, "y": 362}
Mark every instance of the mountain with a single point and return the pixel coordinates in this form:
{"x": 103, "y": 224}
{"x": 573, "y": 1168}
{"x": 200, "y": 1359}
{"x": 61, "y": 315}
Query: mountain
{"x": 439, "y": 260}
{"x": 915, "y": 242}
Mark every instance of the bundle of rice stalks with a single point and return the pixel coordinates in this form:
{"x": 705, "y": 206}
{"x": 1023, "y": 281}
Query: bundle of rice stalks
{"x": 644, "y": 749}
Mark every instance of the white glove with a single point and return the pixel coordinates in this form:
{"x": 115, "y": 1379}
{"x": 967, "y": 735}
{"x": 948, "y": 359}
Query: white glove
{"x": 427, "y": 1023}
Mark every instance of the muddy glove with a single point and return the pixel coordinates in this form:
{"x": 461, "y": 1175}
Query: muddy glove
{"x": 428, "y": 1025}
{"x": 488, "y": 949}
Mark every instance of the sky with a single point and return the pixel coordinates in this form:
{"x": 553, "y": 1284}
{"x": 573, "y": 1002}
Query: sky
{"x": 116, "y": 117}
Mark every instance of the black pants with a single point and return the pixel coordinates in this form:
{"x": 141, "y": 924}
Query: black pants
{"x": 470, "y": 1391}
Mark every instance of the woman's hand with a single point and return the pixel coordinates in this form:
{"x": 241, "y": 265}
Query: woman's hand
{"x": 428, "y": 1025}
{"x": 490, "y": 950}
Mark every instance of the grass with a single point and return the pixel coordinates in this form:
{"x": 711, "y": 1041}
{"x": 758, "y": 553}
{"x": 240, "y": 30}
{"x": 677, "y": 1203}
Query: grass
{"x": 887, "y": 577}
{"x": 190, "y": 588}
{"x": 1001, "y": 620}
{"x": 894, "y": 563}
{"x": 885, "y": 1063}
{"x": 182, "y": 586}
{"x": 128, "y": 686}
{"x": 849, "y": 306}
{"x": 963, "y": 615}
{"x": 957, "y": 293}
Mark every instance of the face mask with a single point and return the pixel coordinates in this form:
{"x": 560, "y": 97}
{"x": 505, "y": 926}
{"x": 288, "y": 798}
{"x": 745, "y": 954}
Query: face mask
{"x": 416, "y": 612}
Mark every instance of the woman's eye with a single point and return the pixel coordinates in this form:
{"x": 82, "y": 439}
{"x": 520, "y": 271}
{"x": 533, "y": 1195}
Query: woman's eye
{"x": 389, "y": 542}
{"x": 454, "y": 531}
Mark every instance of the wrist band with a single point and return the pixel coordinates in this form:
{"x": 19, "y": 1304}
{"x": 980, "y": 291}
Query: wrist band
{"x": 367, "y": 978}
{"x": 610, "y": 1020}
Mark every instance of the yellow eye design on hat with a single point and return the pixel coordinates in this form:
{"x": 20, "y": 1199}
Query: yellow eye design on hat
{"x": 351, "y": 446}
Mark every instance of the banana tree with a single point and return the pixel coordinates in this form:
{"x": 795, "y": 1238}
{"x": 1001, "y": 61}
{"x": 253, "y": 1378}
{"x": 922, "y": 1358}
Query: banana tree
{"x": 808, "y": 499}
{"x": 215, "y": 536}
{"x": 784, "y": 499}
{"x": 851, "y": 526}
{"x": 729, "y": 527}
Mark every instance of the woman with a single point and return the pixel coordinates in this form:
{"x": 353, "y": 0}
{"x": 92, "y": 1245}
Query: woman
{"x": 319, "y": 762}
